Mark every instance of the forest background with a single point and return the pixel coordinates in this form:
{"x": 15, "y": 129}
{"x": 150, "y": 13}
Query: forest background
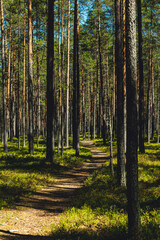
{"x": 93, "y": 104}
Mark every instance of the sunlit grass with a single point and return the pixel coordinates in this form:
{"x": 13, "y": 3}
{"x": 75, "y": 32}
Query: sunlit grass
{"x": 22, "y": 174}
{"x": 100, "y": 210}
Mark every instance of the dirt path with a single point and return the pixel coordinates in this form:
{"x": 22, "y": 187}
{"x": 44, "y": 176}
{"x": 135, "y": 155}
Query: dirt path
{"x": 34, "y": 215}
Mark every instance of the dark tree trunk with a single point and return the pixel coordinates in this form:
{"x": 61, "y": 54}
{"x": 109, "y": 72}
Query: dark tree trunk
{"x": 59, "y": 80}
{"x": 18, "y": 84}
{"x": 124, "y": 75}
{"x": 102, "y": 107}
{"x": 149, "y": 99}
{"x": 24, "y": 80}
{"x": 9, "y": 76}
{"x": 68, "y": 77}
{"x": 141, "y": 81}
{"x": 38, "y": 78}
{"x": 132, "y": 158}
{"x": 30, "y": 79}
{"x": 76, "y": 94}
{"x": 50, "y": 82}
{"x": 120, "y": 96}
{"x": 62, "y": 81}
{"x": 158, "y": 101}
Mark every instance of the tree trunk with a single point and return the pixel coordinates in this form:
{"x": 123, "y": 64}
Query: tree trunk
{"x": 76, "y": 93}
{"x": 132, "y": 158}
{"x": 24, "y": 79}
{"x": 68, "y": 77}
{"x": 149, "y": 99}
{"x": 38, "y": 79}
{"x": 50, "y": 82}
{"x": 62, "y": 81}
{"x": 3, "y": 80}
{"x": 101, "y": 80}
{"x": 18, "y": 85}
{"x": 120, "y": 96}
{"x": 59, "y": 80}
{"x": 158, "y": 100}
{"x": 30, "y": 79}
{"x": 141, "y": 80}
{"x": 124, "y": 75}
{"x": 114, "y": 90}
{"x": 9, "y": 76}
{"x": 83, "y": 106}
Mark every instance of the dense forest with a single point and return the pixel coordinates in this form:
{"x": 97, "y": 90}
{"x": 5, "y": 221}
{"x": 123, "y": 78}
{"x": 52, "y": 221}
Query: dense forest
{"x": 83, "y": 70}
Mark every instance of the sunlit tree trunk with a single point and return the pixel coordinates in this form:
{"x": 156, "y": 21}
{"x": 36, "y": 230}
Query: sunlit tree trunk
{"x": 12, "y": 94}
{"x": 120, "y": 96}
{"x": 3, "y": 80}
{"x": 132, "y": 158}
{"x": 83, "y": 105}
{"x": 68, "y": 77}
{"x": 30, "y": 79}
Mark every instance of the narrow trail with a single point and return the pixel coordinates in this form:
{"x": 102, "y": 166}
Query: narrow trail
{"x": 35, "y": 214}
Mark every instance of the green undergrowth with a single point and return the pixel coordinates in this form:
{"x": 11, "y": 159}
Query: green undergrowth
{"x": 100, "y": 209}
{"x": 21, "y": 174}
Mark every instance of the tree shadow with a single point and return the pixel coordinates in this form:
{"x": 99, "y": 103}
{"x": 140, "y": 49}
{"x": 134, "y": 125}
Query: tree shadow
{"x": 104, "y": 234}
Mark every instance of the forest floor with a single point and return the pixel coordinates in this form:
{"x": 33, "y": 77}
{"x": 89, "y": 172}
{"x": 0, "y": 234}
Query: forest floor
{"x": 33, "y": 216}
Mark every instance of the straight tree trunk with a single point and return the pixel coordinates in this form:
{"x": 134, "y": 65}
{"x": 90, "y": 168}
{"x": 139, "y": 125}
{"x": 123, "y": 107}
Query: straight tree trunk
{"x": 12, "y": 93}
{"x": 76, "y": 93}
{"x": 89, "y": 110}
{"x": 120, "y": 96}
{"x": 68, "y": 77}
{"x": 158, "y": 101}
{"x": 3, "y": 80}
{"x": 38, "y": 79}
{"x": 83, "y": 105}
{"x": 97, "y": 96}
{"x": 124, "y": 74}
{"x": 24, "y": 79}
{"x": 18, "y": 85}
{"x": 149, "y": 99}
{"x": 50, "y": 82}
{"x": 114, "y": 90}
{"x": 9, "y": 76}
{"x": 132, "y": 158}
{"x": 101, "y": 80}
{"x": 141, "y": 80}
{"x": 59, "y": 80}
{"x": 30, "y": 79}
{"x": 62, "y": 80}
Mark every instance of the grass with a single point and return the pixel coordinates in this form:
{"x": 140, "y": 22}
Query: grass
{"x": 100, "y": 210}
{"x": 22, "y": 174}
